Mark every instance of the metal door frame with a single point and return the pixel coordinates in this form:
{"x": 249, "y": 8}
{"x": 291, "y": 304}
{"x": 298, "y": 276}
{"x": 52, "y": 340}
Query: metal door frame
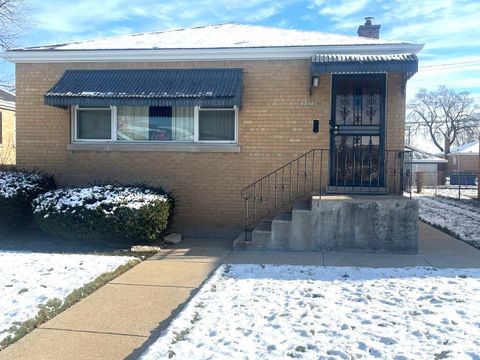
{"x": 383, "y": 117}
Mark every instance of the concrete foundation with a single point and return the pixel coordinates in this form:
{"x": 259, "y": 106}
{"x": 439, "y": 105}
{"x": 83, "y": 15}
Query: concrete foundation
{"x": 342, "y": 222}
{"x": 364, "y": 222}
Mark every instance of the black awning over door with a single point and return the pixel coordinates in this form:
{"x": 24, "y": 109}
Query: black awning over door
{"x": 360, "y": 64}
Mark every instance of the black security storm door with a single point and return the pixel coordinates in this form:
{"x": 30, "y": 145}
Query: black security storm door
{"x": 357, "y": 130}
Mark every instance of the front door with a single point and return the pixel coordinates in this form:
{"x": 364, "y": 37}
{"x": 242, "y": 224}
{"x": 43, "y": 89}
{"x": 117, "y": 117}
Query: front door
{"x": 357, "y": 130}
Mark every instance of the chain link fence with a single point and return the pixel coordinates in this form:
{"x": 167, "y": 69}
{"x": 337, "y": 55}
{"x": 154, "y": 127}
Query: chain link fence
{"x": 450, "y": 184}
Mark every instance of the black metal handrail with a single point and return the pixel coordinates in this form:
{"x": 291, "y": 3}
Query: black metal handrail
{"x": 355, "y": 171}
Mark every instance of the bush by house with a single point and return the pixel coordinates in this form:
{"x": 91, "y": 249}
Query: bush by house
{"x": 17, "y": 190}
{"x": 105, "y": 213}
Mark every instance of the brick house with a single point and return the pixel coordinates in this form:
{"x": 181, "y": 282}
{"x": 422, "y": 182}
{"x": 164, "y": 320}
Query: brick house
{"x": 7, "y": 128}
{"x": 464, "y": 158}
{"x": 206, "y": 111}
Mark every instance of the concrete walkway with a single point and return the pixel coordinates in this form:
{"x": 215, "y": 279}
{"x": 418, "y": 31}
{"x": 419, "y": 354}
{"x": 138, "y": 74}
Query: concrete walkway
{"x": 121, "y": 319}
{"x": 124, "y": 317}
{"x": 436, "y": 249}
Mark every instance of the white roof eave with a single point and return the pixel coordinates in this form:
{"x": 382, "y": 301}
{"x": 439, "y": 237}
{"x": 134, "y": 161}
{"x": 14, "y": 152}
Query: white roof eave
{"x": 208, "y": 54}
{"x": 8, "y": 105}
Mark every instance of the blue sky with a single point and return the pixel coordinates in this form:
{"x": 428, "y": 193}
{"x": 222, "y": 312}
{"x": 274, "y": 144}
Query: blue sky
{"x": 449, "y": 28}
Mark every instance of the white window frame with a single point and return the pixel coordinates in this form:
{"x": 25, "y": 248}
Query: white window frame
{"x": 197, "y": 125}
{"x": 114, "y": 124}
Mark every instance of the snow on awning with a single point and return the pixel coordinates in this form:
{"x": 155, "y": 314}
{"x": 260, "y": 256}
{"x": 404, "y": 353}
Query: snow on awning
{"x": 148, "y": 87}
{"x": 352, "y": 64}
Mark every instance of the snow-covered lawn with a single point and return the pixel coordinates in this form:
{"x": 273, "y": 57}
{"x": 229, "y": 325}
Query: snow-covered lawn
{"x": 461, "y": 217}
{"x": 30, "y": 279}
{"x": 279, "y": 311}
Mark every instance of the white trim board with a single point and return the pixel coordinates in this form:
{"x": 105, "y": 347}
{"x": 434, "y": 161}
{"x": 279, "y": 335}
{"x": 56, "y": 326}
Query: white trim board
{"x": 159, "y": 55}
{"x": 7, "y": 105}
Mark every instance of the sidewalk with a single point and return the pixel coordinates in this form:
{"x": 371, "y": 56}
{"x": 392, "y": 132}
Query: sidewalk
{"x": 124, "y": 317}
{"x": 436, "y": 249}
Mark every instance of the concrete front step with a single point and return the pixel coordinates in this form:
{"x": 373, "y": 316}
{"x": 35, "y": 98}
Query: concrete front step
{"x": 281, "y": 232}
{"x": 340, "y": 222}
{"x": 243, "y": 242}
{"x": 303, "y": 205}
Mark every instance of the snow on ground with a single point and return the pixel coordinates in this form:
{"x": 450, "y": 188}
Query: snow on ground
{"x": 280, "y": 311}
{"x": 465, "y": 193}
{"x": 461, "y": 217}
{"x": 30, "y": 279}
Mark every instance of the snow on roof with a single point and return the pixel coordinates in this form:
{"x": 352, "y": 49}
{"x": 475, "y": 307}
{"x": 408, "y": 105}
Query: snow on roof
{"x": 7, "y": 95}
{"x": 7, "y": 100}
{"x": 228, "y": 35}
{"x": 336, "y": 58}
{"x": 466, "y": 149}
{"x": 423, "y": 156}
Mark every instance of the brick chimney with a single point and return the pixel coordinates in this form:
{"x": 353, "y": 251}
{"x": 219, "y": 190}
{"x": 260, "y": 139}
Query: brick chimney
{"x": 369, "y": 30}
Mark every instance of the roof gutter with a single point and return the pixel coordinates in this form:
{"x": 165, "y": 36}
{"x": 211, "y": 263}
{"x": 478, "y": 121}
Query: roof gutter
{"x": 155, "y": 55}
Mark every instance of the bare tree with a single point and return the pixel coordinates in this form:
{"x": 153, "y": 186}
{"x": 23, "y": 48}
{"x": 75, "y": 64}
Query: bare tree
{"x": 12, "y": 21}
{"x": 444, "y": 115}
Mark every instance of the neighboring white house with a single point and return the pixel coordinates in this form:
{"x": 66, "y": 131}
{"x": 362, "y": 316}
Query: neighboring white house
{"x": 7, "y": 128}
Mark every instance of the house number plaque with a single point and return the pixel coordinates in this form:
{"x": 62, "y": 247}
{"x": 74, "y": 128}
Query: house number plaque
{"x": 307, "y": 103}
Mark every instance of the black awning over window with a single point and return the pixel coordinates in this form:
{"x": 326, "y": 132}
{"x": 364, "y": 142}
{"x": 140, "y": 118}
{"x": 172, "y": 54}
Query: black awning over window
{"x": 148, "y": 87}
{"x": 355, "y": 64}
